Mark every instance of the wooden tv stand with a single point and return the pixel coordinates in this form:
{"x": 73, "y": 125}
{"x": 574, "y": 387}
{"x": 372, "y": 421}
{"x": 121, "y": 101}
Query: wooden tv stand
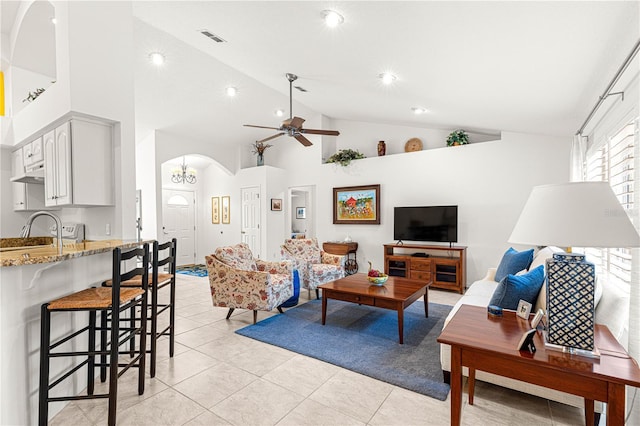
{"x": 445, "y": 266}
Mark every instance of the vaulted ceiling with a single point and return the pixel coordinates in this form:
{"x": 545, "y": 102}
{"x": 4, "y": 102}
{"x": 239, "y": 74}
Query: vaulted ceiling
{"x": 534, "y": 67}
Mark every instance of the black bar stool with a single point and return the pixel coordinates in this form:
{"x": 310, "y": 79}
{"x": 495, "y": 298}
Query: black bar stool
{"x": 109, "y": 302}
{"x": 163, "y": 255}
{"x": 159, "y": 281}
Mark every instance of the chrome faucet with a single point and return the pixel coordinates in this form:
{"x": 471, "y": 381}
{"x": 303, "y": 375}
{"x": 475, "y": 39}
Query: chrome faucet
{"x": 26, "y": 229}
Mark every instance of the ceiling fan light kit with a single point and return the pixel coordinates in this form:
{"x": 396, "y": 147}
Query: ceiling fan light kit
{"x": 293, "y": 125}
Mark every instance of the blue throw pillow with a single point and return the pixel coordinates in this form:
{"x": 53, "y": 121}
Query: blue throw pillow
{"x": 513, "y": 262}
{"x": 512, "y": 288}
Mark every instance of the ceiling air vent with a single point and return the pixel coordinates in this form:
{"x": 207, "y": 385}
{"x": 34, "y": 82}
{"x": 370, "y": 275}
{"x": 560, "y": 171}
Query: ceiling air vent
{"x": 213, "y": 36}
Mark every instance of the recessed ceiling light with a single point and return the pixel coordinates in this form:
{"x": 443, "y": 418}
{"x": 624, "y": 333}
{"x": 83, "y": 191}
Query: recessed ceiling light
{"x": 156, "y": 58}
{"x": 54, "y": 21}
{"x": 387, "y": 77}
{"x": 279, "y": 113}
{"x": 418, "y": 110}
{"x": 332, "y": 18}
{"x": 231, "y": 91}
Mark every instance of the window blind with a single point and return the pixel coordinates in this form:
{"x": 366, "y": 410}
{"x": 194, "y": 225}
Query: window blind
{"x": 616, "y": 161}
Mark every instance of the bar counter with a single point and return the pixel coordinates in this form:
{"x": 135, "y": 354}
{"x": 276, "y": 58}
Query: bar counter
{"x": 49, "y": 253}
{"x": 30, "y": 276}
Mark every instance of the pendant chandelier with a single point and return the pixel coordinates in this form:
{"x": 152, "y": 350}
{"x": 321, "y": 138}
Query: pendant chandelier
{"x": 183, "y": 174}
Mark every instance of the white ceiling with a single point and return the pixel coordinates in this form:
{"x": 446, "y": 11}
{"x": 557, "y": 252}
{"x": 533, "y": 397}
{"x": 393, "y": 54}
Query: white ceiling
{"x": 535, "y": 67}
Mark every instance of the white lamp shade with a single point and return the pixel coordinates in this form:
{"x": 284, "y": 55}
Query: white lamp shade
{"x": 580, "y": 214}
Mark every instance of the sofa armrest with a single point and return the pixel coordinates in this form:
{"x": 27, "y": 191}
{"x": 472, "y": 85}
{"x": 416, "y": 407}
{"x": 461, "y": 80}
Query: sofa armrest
{"x": 491, "y": 275}
{"x": 333, "y": 259}
{"x": 282, "y": 267}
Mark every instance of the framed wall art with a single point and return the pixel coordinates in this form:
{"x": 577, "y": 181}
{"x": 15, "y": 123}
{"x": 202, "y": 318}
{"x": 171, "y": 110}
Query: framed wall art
{"x": 357, "y": 205}
{"x": 215, "y": 209}
{"x": 226, "y": 209}
{"x": 301, "y": 212}
{"x": 276, "y": 204}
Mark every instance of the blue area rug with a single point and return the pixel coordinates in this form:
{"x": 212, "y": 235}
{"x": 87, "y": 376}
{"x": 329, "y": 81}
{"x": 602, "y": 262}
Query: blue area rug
{"x": 195, "y": 270}
{"x": 365, "y": 340}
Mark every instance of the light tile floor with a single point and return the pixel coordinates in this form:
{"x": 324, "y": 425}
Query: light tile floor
{"x": 217, "y": 377}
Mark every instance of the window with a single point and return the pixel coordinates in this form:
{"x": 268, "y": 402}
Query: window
{"x": 615, "y": 160}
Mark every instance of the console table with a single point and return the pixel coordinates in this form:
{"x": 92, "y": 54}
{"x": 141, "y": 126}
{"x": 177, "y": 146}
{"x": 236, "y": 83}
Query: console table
{"x": 344, "y": 249}
{"x": 445, "y": 266}
{"x": 489, "y": 344}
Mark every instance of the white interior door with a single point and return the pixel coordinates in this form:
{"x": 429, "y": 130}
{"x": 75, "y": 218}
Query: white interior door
{"x": 178, "y": 216}
{"x": 250, "y": 230}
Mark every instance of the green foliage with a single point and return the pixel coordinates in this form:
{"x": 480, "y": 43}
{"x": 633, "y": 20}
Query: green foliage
{"x": 344, "y": 157}
{"x": 457, "y": 137}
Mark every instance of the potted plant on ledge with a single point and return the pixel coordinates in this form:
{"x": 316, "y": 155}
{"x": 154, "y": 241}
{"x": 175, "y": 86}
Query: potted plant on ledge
{"x": 344, "y": 157}
{"x": 259, "y": 148}
{"x": 457, "y": 137}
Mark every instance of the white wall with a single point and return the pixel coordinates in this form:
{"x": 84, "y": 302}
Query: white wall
{"x": 365, "y": 136}
{"x": 489, "y": 182}
{"x": 217, "y": 182}
{"x": 146, "y": 183}
{"x": 102, "y": 86}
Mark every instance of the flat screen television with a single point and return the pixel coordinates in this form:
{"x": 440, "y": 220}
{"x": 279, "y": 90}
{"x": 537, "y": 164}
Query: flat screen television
{"x": 427, "y": 223}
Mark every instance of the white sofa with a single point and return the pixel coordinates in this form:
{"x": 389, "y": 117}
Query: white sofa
{"x": 612, "y": 310}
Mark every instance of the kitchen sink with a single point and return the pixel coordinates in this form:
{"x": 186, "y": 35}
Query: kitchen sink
{"x": 11, "y": 244}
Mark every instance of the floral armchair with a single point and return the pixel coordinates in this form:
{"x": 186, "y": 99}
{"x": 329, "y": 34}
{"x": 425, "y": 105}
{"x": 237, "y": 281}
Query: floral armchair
{"x": 315, "y": 266}
{"x": 237, "y": 280}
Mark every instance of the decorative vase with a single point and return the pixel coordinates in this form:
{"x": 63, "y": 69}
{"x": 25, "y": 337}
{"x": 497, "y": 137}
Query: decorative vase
{"x": 260, "y": 159}
{"x": 382, "y": 148}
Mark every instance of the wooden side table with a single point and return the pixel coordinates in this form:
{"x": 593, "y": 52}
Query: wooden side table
{"x": 489, "y": 344}
{"x": 342, "y": 249}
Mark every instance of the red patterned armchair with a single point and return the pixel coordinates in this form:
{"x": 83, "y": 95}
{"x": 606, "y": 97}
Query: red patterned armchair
{"x": 314, "y": 265}
{"x": 237, "y": 280}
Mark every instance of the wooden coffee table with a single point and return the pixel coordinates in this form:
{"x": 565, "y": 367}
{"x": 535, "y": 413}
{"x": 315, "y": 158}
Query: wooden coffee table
{"x": 485, "y": 343}
{"x": 397, "y": 293}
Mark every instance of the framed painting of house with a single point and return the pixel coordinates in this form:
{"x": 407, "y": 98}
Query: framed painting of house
{"x": 215, "y": 209}
{"x": 357, "y": 205}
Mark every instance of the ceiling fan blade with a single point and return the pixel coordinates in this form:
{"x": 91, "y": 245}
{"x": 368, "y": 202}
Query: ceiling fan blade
{"x": 304, "y": 141}
{"x": 295, "y": 122}
{"x": 320, "y": 132}
{"x": 261, "y": 127}
{"x": 270, "y": 137}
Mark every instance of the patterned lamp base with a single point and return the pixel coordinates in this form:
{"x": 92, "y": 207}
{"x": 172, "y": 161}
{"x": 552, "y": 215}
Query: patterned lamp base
{"x": 570, "y": 302}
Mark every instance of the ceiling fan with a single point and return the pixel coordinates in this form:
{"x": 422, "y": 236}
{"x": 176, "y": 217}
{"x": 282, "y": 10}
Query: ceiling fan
{"x": 293, "y": 125}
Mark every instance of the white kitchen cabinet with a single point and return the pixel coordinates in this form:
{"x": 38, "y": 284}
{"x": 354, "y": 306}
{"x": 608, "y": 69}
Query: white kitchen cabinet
{"x": 17, "y": 162}
{"x": 78, "y": 163}
{"x": 32, "y": 153}
{"x": 26, "y": 196}
{"x": 29, "y": 196}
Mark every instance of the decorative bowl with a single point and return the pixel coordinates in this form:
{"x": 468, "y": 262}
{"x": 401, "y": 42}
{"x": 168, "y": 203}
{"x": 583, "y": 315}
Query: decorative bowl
{"x": 378, "y": 280}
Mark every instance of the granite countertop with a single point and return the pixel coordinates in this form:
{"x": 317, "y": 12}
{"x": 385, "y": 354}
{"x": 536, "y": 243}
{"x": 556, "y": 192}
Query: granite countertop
{"x": 49, "y": 253}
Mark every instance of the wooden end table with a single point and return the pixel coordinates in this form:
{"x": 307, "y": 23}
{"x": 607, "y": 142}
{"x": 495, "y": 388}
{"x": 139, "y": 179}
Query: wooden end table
{"x": 397, "y": 293}
{"x": 344, "y": 249}
{"x": 485, "y": 343}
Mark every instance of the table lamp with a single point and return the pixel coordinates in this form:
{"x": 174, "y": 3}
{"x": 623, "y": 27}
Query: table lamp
{"x": 580, "y": 214}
